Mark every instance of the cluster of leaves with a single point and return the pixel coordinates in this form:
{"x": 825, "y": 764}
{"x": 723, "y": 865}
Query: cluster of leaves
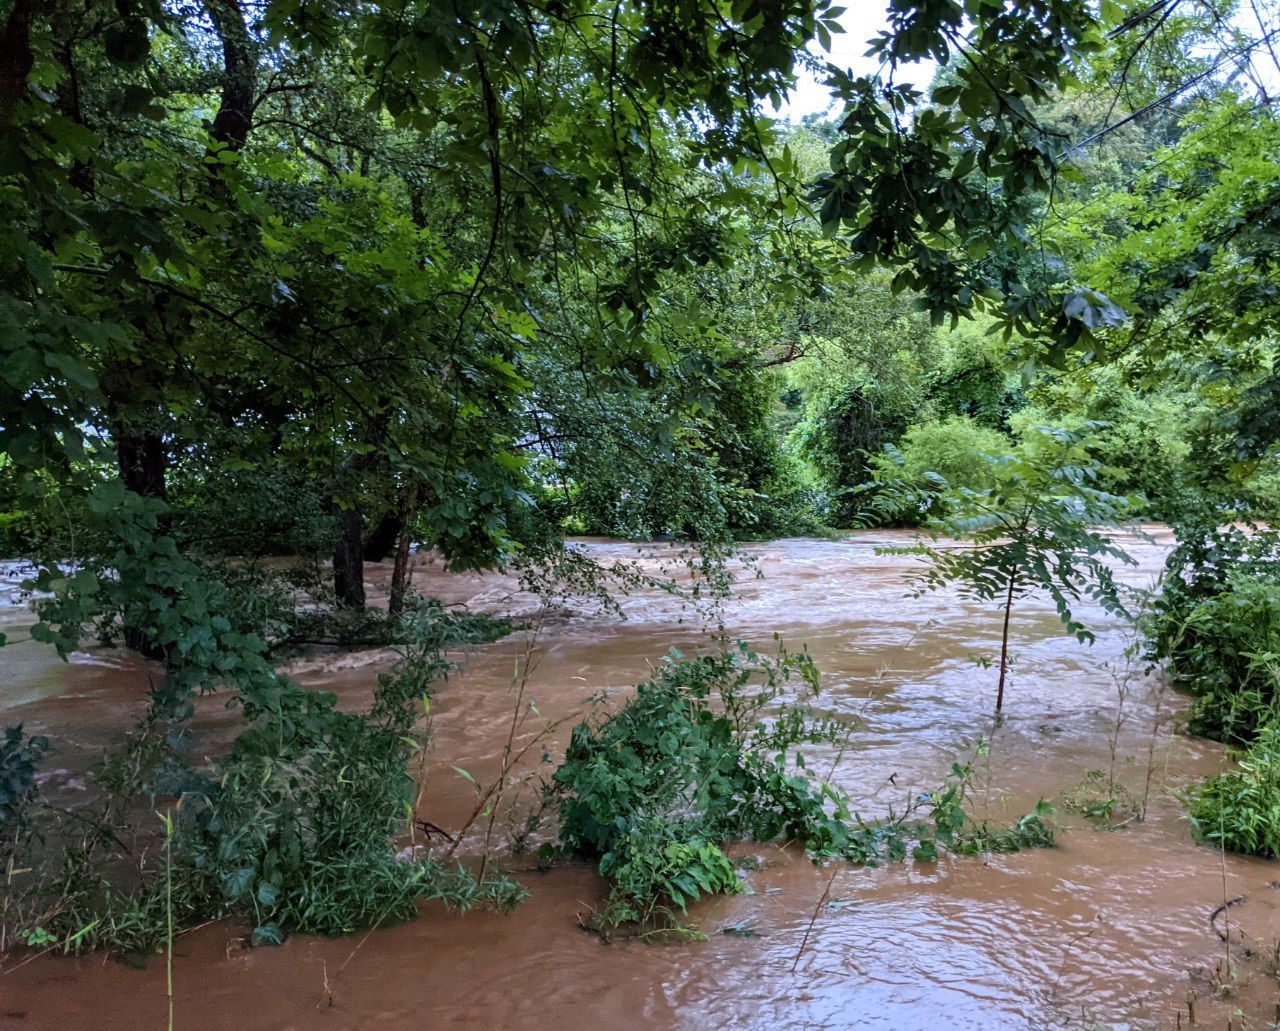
{"x": 858, "y": 421}
{"x": 934, "y": 822}
{"x": 941, "y": 190}
{"x": 973, "y": 379}
{"x": 1240, "y": 810}
{"x": 886, "y": 379}
{"x": 212, "y": 622}
{"x": 20, "y": 755}
{"x": 346, "y": 262}
{"x": 19, "y": 517}
{"x": 950, "y": 827}
{"x": 1216, "y": 621}
{"x": 707, "y": 752}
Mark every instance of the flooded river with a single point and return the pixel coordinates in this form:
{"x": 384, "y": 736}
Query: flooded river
{"x": 1112, "y": 928}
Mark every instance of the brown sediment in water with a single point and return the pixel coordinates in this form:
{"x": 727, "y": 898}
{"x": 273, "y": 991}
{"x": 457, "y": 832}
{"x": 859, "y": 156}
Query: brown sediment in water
{"x": 1112, "y": 927}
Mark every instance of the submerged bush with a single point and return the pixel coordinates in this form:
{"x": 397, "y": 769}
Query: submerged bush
{"x": 295, "y": 829}
{"x": 691, "y": 762}
{"x": 1240, "y": 810}
{"x": 705, "y": 753}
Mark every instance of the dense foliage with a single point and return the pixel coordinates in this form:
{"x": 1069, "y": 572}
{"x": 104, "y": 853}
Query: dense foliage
{"x": 1216, "y": 621}
{"x": 1240, "y": 810}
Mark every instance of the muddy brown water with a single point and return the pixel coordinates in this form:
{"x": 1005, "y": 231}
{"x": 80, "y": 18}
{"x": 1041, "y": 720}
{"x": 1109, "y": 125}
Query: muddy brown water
{"x": 1111, "y": 928}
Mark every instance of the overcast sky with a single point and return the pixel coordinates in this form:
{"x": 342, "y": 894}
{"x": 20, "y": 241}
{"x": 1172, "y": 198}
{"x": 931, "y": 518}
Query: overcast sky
{"x": 862, "y": 20}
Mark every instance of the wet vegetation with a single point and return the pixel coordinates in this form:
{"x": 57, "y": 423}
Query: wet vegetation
{"x": 710, "y": 751}
{"x": 291, "y": 830}
{"x": 288, "y": 290}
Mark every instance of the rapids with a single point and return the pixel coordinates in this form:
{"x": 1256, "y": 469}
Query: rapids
{"x": 1111, "y": 928}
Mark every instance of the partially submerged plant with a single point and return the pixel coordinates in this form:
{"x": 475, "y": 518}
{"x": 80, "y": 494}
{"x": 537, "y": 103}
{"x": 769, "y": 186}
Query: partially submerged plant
{"x": 294, "y": 829}
{"x": 1100, "y": 796}
{"x": 706, "y": 753}
{"x": 20, "y": 753}
{"x": 1239, "y": 810}
{"x": 1216, "y": 621}
{"x": 694, "y": 760}
{"x": 1040, "y": 527}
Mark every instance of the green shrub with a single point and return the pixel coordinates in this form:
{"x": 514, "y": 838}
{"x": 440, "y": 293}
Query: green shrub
{"x": 1216, "y": 621}
{"x": 956, "y": 448}
{"x": 1240, "y": 810}
{"x": 1144, "y": 439}
{"x": 692, "y": 761}
{"x": 19, "y": 534}
{"x": 841, "y": 433}
{"x": 790, "y": 501}
{"x": 973, "y": 379}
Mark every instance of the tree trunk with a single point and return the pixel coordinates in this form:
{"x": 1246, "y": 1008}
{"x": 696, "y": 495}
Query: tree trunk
{"x": 143, "y": 461}
{"x": 16, "y": 57}
{"x": 348, "y": 558}
{"x": 234, "y": 119}
{"x": 383, "y": 537}
{"x": 400, "y": 573}
{"x": 1004, "y": 641}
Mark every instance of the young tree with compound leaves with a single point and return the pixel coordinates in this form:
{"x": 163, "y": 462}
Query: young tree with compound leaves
{"x": 1042, "y": 526}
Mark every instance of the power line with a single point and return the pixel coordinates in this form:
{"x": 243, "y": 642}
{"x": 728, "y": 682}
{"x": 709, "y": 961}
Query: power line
{"x": 1147, "y": 169}
{"x": 1177, "y": 91}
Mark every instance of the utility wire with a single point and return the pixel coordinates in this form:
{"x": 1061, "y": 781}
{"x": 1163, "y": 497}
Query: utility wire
{"x": 1177, "y": 91}
{"x": 1147, "y": 169}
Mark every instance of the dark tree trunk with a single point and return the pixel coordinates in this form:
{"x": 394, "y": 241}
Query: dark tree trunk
{"x": 234, "y": 119}
{"x": 1004, "y": 641}
{"x": 16, "y": 57}
{"x": 400, "y": 573}
{"x": 143, "y": 461}
{"x": 383, "y": 537}
{"x": 348, "y": 558}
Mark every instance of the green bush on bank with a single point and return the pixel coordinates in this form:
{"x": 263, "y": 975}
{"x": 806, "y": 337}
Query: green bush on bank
{"x": 955, "y": 448}
{"x": 1216, "y": 622}
{"x": 1240, "y": 810}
